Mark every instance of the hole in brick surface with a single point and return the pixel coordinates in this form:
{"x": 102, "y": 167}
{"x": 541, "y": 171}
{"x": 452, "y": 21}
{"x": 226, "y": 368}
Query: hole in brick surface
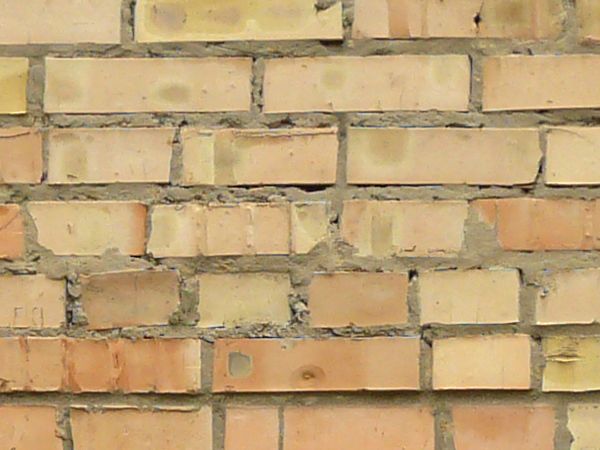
{"x": 240, "y": 365}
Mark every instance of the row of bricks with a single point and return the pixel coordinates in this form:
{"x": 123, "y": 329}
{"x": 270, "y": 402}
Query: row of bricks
{"x": 386, "y": 83}
{"x": 236, "y": 157}
{"x": 173, "y": 365}
{"x": 365, "y": 299}
{"x": 335, "y": 427}
{"x": 44, "y": 21}
{"x": 409, "y": 228}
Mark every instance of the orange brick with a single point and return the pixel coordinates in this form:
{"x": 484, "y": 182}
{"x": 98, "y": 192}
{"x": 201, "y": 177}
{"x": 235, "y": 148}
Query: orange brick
{"x": 259, "y": 157}
{"x": 588, "y": 19}
{"x": 236, "y": 20}
{"x": 129, "y": 298}
{"x": 128, "y": 429}
{"x": 489, "y": 156}
{"x": 500, "y": 427}
{"x": 540, "y": 82}
{"x": 251, "y": 428}
{"x": 358, "y": 427}
{"x": 404, "y": 228}
{"x": 482, "y": 362}
{"x": 385, "y": 83}
{"x": 101, "y": 85}
{"x": 277, "y": 365}
{"x": 523, "y": 19}
{"x": 20, "y": 155}
{"x": 90, "y": 228}
{"x": 522, "y": 223}
{"x": 572, "y": 156}
{"x": 469, "y": 296}
{"x": 29, "y": 428}
{"x": 31, "y": 364}
{"x": 355, "y": 298}
{"x": 12, "y": 232}
{"x": 127, "y": 155}
{"x": 32, "y": 301}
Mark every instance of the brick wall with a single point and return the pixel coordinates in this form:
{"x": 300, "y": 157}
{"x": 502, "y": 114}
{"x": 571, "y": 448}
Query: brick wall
{"x": 299, "y": 224}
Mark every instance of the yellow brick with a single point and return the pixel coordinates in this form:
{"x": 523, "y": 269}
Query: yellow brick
{"x": 588, "y": 19}
{"x": 572, "y": 363}
{"x": 572, "y": 156}
{"x": 583, "y": 425}
{"x": 13, "y": 85}
{"x": 309, "y": 225}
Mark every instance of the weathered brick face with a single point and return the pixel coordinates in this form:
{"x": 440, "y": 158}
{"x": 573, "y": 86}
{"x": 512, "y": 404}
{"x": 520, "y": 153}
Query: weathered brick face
{"x": 299, "y": 224}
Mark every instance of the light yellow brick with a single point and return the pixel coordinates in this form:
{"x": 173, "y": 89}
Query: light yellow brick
{"x": 13, "y": 85}
{"x": 573, "y": 156}
{"x": 583, "y": 426}
{"x": 572, "y": 363}
{"x": 309, "y": 225}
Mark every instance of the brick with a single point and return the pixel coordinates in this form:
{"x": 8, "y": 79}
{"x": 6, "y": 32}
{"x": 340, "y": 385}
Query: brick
{"x": 128, "y": 429}
{"x": 569, "y": 296}
{"x": 404, "y": 228}
{"x": 572, "y": 156}
{"x": 572, "y": 363}
{"x": 310, "y": 225}
{"x": 583, "y": 426}
{"x": 259, "y": 157}
{"x": 60, "y": 22}
{"x": 358, "y": 427}
{"x": 236, "y": 20}
{"x": 29, "y": 428}
{"x": 521, "y": 19}
{"x": 469, "y": 296}
{"x": 358, "y": 298}
{"x": 14, "y": 73}
{"x": 90, "y": 228}
{"x": 540, "y": 82}
{"x": 228, "y": 300}
{"x": 482, "y": 362}
{"x": 262, "y": 423}
{"x": 279, "y": 365}
{"x": 522, "y": 223}
{"x": 12, "y": 232}
{"x": 500, "y": 427}
{"x": 488, "y": 156}
{"x": 32, "y": 301}
{"x": 385, "y": 83}
{"x": 20, "y": 156}
{"x": 588, "y": 19}
{"x": 127, "y": 85}
{"x": 32, "y": 364}
{"x": 134, "y": 155}
{"x": 129, "y": 298}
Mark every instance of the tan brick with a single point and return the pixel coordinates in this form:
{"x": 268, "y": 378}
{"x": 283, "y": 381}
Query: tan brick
{"x": 489, "y": 156}
{"x": 32, "y": 301}
{"x": 126, "y": 155}
{"x": 540, "y": 82}
{"x": 12, "y": 232}
{"x": 583, "y": 426}
{"x": 29, "y": 428}
{"x": 522, "y": 223}
{"x": 251, "y": 428}
{"x": 385, "y": 83}
{"x": 522, "y": 19}
{"x": 310, "y": 225}
{"x": 102, "y": 85}
{"x": 31, "y": 364}
{"x": 358, "y": 298}
{"x": 90, "y": 228}
{"x": 60, "y": 21}
{"x": 236, "y": 20}
{"x": 482, "y": 362}
{"x": 278, "y": 365}
{"x": 128, "y": 429}
{"x": 572, "y": 156}
{"x": 147, "y": 365}
{"x": 588, "y": 19}
{"x": 469, "y": 296}
{"x": 569, "y": 296}
{"x": 404, "y": 228}
{"x": 358, "y": 427}
{"x": 14, "y": 73}
{"x": 229, "y": 299}
{"x": 20, "y": 155}
{"x": 259, "y": 157}
{"x": 572, "y": 363}
{"x": 129, "y": 298}
{"x": 501, "y": 427}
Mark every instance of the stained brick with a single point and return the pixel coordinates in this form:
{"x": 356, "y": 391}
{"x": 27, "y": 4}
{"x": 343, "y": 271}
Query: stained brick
{"x": 20, "y": 156}
{"x": 12, "y": 232}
